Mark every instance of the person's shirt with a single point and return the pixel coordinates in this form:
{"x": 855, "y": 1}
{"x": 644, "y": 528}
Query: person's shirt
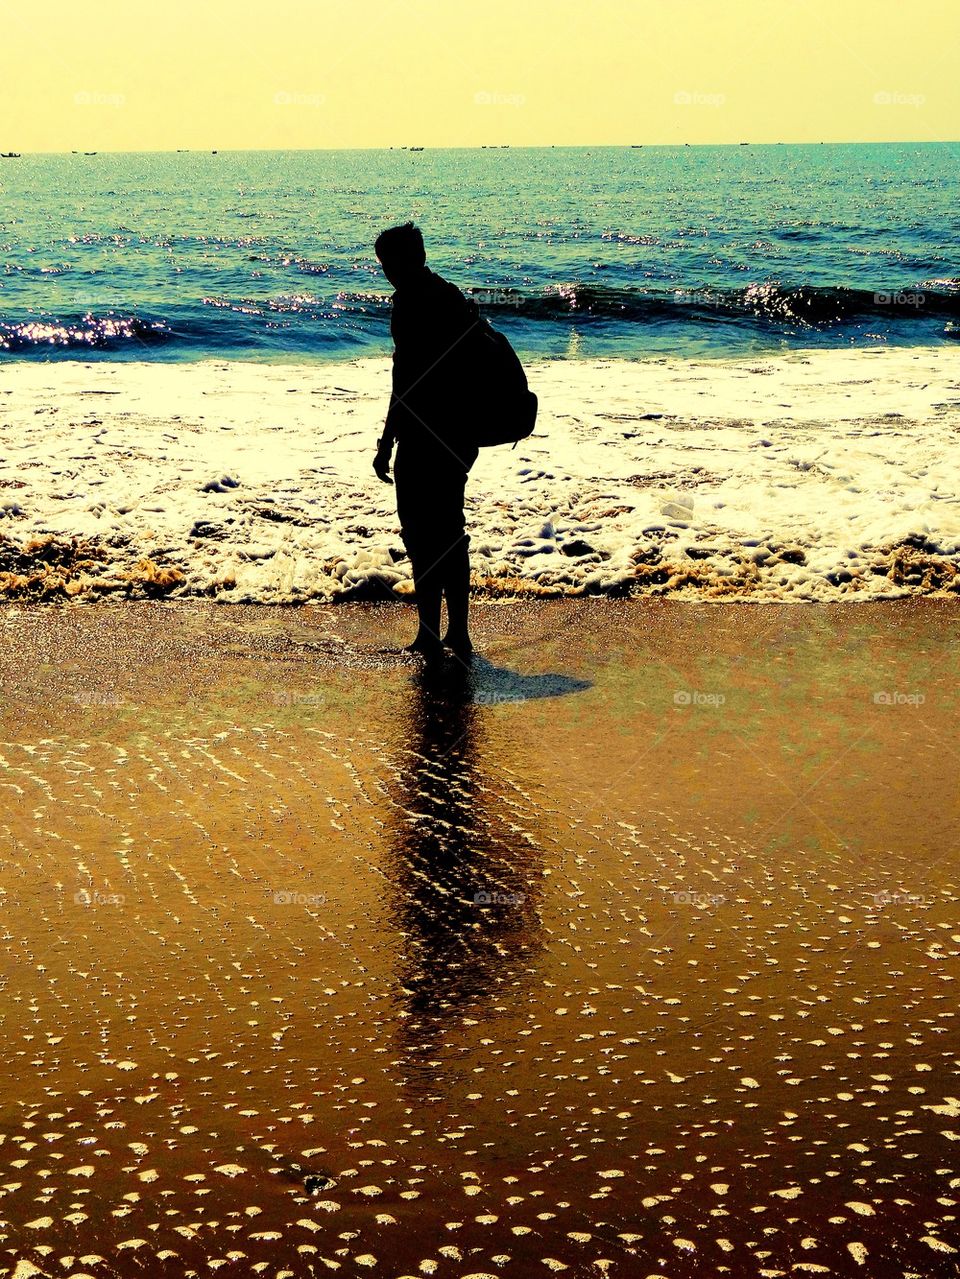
{"x": 431, "y": 323}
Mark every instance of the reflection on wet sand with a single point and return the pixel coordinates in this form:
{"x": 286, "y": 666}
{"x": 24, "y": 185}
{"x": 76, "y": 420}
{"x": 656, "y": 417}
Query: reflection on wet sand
{"x": 255, "y": 1018}
{"x": 464, "y": 871}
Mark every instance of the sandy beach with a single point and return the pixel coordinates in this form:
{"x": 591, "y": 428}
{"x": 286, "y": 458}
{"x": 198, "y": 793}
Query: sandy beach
{"x": 634, "y": 953}
{"x": 589, "y": 908}
{"x": 815, "y": 475}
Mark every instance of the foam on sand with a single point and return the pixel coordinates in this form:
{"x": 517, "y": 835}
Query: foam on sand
{"x": 816, "y": 475}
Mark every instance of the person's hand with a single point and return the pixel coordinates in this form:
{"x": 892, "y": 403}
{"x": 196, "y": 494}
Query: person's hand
{"x": 381, "y": 464}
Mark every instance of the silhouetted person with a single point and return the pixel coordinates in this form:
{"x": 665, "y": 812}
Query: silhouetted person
{"x": 430, "y": 325}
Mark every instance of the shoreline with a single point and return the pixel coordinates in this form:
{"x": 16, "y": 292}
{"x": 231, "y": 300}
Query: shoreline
{"x": 818, "y": 474}
{"x": 299, "y": 358}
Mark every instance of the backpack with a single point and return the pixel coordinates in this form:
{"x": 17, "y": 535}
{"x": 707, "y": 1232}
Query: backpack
{"x": 501, "y": 408}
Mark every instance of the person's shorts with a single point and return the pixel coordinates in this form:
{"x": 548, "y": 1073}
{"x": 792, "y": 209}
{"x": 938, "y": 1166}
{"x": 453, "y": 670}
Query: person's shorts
{"x": 430, "y": 491}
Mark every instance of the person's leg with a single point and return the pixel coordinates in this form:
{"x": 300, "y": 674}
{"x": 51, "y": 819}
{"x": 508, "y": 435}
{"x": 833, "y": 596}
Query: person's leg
{"x": 456, "y": 571}
{"x": 456, "y": 585}
{"x": 428, "y": 587}
{"x": 413, "y": 511}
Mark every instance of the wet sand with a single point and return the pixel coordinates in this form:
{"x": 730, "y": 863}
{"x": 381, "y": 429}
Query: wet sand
{"x": 633, "y": 953}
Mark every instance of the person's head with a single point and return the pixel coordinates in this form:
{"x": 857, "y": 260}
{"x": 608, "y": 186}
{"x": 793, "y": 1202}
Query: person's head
{"x": 401, "y": 253}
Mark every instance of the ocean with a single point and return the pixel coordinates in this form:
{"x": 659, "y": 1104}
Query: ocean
{"x": 575, "y": 253}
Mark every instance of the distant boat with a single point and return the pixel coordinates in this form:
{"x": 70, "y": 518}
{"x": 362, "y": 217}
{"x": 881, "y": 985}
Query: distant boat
{"x": 89, "y": 153}
{"x": 9, "y": 155}
{"x": 416, "y": 148}
{"x": 214, "y": 153}
{"x": 636, "y": 146}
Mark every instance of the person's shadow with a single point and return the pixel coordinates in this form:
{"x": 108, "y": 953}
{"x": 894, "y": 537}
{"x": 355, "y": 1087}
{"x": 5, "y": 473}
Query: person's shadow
{"x": 464, "y": 868}
{"x": 489, "y": 684}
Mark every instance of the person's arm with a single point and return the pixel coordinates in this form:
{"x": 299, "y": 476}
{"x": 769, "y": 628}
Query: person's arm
{"x": 388, "y": 436}
{"x": 381, "y": 459}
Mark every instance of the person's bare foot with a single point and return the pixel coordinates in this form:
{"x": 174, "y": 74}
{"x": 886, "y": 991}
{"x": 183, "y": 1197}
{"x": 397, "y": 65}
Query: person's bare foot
{"x": 460, "y": 645}
{"x": 430, "y": 649}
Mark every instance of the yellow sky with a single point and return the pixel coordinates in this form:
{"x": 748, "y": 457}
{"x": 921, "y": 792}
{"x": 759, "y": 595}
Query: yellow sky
{"x": 361, "y": 73}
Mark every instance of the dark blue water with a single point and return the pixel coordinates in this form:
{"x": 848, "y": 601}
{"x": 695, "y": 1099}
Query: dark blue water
{"x": 576, "y": 252}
